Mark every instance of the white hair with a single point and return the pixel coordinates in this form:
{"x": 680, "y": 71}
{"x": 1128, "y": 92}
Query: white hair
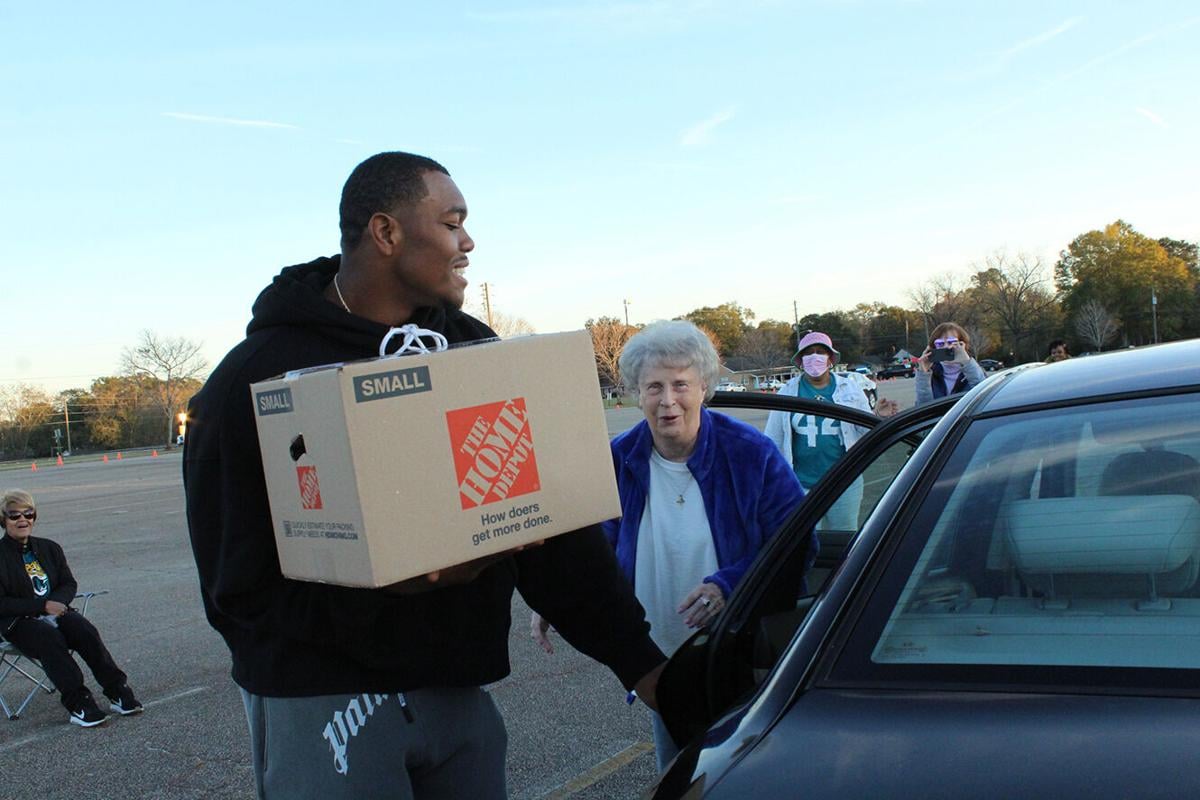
{"x": 674, "y": 343}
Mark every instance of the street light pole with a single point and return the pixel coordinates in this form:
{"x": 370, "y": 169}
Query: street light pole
{"x": 487, "y": 304}
{"x": 1154, "y": 311}
{"x": 626, "y": 304}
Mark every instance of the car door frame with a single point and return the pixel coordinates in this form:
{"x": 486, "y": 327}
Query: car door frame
{"x": 781, "y": 550}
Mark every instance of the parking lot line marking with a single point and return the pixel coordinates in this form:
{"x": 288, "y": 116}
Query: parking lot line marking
{"x": 176, "y": 696}
{"x": 597, "y": 773}
{"x": 19, "y": 743}
{"x": 50, "y": 734}
{"x": 126, "y": 506}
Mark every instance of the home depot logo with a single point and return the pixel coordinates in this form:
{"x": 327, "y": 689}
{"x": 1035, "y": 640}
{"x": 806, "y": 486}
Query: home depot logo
{"x": 493, "y": 452}
{"x": 310, "y": 489}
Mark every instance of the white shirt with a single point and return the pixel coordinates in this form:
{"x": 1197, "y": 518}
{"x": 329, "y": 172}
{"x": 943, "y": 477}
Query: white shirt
{"x": 675, "y": 550}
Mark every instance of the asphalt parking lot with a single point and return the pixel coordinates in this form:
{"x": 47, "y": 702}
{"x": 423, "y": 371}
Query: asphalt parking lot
{"x": 123, "y": 530}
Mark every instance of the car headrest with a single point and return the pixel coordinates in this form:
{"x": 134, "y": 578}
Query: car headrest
{"x": 1114, "y": 429}
{"x": 1130, "y": 534}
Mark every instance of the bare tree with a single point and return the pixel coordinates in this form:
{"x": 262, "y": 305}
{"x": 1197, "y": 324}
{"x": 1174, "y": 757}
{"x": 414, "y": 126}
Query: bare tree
{"x": 609, "y": 336}
{"x": 943, "y": 298}
{"x": 1015, "y": 293}
{"x": 172, "y": 362}
{"x": 1095, "y": 325}
{"x": 23, "y": 409}
{"x": 923, "y": 300}
{"x": 507, "y": 326}
{"x": 762, "y": 349}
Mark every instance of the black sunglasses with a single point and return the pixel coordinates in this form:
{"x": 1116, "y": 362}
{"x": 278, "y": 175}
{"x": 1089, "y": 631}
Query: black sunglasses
{"x": 28, "y": 513}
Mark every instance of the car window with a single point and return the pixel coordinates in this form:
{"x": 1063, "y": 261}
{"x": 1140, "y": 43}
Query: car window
{"x": 854, "y": 504}
{"x": 812, "y": 444}
{"x": 1055, "y": 538}
{"x": 724, "y": 666}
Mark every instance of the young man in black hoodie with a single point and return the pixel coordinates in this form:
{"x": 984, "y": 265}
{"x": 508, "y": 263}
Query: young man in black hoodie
{"x": 376, "y": 692}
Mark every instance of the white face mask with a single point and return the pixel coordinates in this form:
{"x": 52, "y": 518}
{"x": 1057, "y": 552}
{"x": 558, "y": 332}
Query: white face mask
{"x": 815, "y": 364}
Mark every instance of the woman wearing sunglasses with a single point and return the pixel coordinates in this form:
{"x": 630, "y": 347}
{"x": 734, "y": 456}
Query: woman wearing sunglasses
{"x": 36, "y": 590}
{"x": 946, "y": 368}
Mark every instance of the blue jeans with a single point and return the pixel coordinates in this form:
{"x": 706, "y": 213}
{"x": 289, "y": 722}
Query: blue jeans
{"x": 665, "y": 748}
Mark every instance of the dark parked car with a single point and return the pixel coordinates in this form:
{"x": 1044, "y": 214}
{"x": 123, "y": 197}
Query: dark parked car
{"x": 896, "y": 371}
{"x": 1018, "y": 613}
{"x": 990, "y": 364}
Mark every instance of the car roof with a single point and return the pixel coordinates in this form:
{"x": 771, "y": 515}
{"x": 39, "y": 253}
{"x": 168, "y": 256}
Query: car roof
{"x": 1164, "y": 367}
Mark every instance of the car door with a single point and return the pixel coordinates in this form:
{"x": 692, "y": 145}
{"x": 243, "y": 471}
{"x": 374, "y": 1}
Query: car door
{"x": 721, "y": 667}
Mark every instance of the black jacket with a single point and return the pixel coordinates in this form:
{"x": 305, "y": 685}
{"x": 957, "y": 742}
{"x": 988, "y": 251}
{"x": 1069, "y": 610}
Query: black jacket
{"x": 293, "y": 638}
{"x": 17, "y": 599}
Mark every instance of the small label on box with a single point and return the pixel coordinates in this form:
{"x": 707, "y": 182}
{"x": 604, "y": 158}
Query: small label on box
{"x": 398, "y": 382}
{"x": 277, "y": 401}
{"x": 493, "y": 451}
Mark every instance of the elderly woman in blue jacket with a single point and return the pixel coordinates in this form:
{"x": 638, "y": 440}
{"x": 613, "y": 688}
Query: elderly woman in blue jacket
{"x": 701, "y": 492}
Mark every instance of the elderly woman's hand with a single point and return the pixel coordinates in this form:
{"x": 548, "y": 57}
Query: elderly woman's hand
{"x": 702, "y": 605}
{"x": 887, "y": 408}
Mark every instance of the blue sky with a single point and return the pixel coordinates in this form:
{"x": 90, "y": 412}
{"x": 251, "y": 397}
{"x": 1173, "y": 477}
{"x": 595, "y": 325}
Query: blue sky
{"x": 164, "y": 160}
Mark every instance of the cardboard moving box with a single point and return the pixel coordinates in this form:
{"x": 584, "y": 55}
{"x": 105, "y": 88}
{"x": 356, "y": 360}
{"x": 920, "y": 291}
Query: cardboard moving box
{"x": 382, "y": 470}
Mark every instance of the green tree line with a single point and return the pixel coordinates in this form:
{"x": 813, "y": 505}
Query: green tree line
{"x": 1111, "y": 287}
{"x": 114, "y": 413}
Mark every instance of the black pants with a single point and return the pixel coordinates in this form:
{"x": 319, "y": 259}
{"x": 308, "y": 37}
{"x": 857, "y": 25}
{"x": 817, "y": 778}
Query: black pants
{"x": 52, "y": 645}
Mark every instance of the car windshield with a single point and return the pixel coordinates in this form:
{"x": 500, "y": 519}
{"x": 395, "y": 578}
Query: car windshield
{"x": 1052, "y": 538}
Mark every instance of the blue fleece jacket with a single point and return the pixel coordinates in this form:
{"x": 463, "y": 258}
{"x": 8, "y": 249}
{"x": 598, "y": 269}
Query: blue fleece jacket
{"x": 748, "y": 491}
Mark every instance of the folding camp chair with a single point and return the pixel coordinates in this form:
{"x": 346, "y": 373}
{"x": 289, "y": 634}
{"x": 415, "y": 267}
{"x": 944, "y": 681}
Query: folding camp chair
{"x": 11, "y": 663}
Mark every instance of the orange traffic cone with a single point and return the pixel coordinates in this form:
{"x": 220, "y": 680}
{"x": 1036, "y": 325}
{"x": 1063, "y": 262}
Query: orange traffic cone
{"x": 33, "y": 467}
{"x": 60, "y": 459}
{"x": 118, "y": 456}
{"x": 154, "y": 454}
{"x": 106, "y": 458}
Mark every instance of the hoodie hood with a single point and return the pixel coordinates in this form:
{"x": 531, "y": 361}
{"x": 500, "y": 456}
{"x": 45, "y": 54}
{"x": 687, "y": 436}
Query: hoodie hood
{"x": 296, "y": 299}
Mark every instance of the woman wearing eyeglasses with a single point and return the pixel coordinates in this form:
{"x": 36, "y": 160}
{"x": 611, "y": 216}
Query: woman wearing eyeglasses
{"x": 946, "y": 367}
{"x": 36, "y": 590}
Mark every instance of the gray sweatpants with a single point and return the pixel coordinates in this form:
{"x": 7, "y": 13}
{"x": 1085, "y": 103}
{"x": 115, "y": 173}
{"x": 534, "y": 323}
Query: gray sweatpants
{"x": 426, "y": 744}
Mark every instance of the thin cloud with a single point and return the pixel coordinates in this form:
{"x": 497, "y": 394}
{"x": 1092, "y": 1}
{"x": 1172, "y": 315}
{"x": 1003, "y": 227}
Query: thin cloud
{"x": 1155, "y": 118}
{"x": 1041, "y": 38}
{"x": 243, "y": 123}
{"x": 798, "y": 199}
{"x": 700, "y": 133}
{"x": 1087, "y": 66}
{"x": 628, "y": 13}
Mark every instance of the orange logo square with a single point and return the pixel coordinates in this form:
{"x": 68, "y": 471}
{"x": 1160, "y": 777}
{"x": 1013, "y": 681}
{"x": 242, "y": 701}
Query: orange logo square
{"x": 310, "y": 489}
{"x": 493, "y": 452}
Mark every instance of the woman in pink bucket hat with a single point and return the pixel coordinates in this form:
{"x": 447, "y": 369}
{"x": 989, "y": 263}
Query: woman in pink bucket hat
{"x": 811, "y": 444}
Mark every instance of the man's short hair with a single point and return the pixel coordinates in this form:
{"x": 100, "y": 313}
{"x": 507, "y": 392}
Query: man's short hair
{"x": 382, "y": 183}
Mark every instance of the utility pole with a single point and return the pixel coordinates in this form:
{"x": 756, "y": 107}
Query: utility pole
{"x": 487, "y": 304}
{"x": 626, "y": 304}
{"x": 1154, "y": 311}
{"x": 67, "y": 419}
{"x": 796, "y": 327}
